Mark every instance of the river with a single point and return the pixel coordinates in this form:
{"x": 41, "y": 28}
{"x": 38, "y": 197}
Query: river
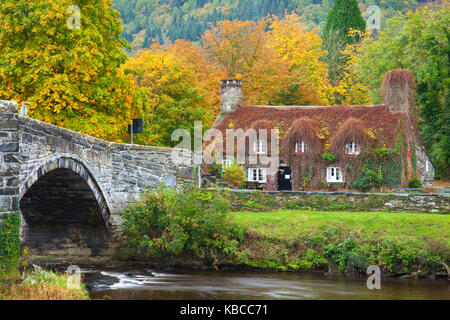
{"x": 233, "y": 285}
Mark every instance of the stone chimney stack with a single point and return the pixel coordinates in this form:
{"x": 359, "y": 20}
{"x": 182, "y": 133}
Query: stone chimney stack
{"x": 231, "y": 95}
{"x": 398, "y": 91}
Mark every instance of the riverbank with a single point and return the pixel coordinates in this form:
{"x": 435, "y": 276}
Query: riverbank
{"x": 39, "y": 285}
{"x": 401, "y": 244}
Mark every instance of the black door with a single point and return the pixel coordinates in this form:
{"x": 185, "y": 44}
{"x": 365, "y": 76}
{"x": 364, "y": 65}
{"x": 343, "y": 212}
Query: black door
{"x": 284, "y": 179}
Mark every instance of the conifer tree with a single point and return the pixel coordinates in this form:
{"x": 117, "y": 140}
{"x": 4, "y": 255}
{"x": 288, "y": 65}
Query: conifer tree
{"x": 344, "y": 16}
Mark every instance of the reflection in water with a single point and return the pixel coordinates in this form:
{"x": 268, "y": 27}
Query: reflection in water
{"x": 198, "y": 285}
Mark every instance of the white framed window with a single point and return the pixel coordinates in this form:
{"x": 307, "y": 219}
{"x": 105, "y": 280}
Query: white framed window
{"x": 300, "y": 147}
{"x": 334, "y": 174}
{"x": 260, "y": 146}
{"x": 427, "y": 166}
{"x": 226, "y": 163}
{"x": 352, "y": 148}
{"x": 257, "y": 175}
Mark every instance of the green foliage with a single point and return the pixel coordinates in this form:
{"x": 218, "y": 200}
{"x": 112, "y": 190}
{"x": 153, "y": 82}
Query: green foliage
{"x": 415, "y": 183}
{"x": 170, "y": 222}
{"x": 148, "y": 21}
{"x": 328, "y": 156}
{"x": 40, "y": 275}
{"x": 216, "y": 170}
{"x": 369, "y": 178}
{"x": 347, "y": 242}
{"x": 343, "y": 17}
{"x": 417, "y": 41}
{"x": 10, "y": 243}
{"x": 307, "y": 178}
{"x": 311, "y": 260}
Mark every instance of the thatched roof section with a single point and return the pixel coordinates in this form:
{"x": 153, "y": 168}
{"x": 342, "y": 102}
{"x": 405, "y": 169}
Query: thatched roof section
{"x": 306, "y": 130}
{"x": 377, "y": 118}
{"x": 262, "y": 124}
{"x": 352, "y": 130}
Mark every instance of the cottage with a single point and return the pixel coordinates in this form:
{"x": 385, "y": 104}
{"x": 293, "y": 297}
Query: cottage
{"x": 357, "y": 147}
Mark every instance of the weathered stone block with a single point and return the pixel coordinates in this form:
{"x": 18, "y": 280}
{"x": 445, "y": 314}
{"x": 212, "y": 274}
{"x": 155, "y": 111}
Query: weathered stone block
{"x": 9, "y": 147}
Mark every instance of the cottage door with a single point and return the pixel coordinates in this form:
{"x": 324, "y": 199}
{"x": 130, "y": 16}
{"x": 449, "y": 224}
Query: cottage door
{"x": 284, "y": 179}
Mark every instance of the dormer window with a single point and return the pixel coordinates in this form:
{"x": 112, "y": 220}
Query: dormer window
{"x": 300, "y": 147}
{"x": 260, "y": 146}
{"x": 352, "y": 148}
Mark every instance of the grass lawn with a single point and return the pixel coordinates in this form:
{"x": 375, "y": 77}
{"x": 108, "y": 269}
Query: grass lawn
{"x": 285, "y": 224}
{"x": 416, "y": 243}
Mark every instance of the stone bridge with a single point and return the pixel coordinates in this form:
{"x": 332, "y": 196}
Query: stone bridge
{"x": 70, "y": 188}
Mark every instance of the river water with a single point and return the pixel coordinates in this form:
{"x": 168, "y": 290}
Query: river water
{"x": 231, "y": 285}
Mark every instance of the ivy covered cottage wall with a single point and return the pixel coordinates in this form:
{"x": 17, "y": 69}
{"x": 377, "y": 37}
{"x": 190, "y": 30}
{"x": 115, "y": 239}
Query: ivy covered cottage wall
{"x": 358, "y": 147}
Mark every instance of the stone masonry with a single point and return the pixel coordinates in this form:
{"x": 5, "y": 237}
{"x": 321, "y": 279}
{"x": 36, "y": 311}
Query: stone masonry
{"x": 45, "y": 164}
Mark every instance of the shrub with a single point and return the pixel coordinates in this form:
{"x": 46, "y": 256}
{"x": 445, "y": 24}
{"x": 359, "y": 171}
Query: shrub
{"x": 328, "y": 156}
{"x": 215, "y": 170}
{"x": 170, "y": 222}
{"x": 370, "y": 177}
{"x": 415, "y": 183}
{"x": 234, "y": 175}
{"x": 312, "y": 260}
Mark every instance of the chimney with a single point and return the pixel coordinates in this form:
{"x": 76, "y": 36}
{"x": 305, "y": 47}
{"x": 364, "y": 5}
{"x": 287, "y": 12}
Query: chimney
{"x": 231, "y": 95}
{"x": 398, "y": 90}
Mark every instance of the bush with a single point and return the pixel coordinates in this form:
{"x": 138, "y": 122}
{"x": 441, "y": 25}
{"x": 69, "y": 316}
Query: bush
{"x": 328, "y": 156}
{"x": 415, "y": 183}
{"x": 215, "y": 170}
{"x": 170, "y": 222}
{"x": 370, "y": 177}
{"x": 234, "y": 175}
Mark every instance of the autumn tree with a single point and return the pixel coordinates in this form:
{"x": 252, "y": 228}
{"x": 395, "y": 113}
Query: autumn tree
{"x": 235, "y": 45}
{"x": 177, "y": 88}
{"x": 301, "y": 49}
{"x": 70, "y": 73}
{"x": 277, "y": 58}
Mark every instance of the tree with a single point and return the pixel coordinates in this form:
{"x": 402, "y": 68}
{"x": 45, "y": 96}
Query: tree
{"x": 278, "y": 59}
{"x": 343, "y": 17}
{"x": 235, "y": 45}
{"x": 418, "y": 42}
{"x": 72, "y": 77}
{"x": 301, "y": 48}
{"x": 174, "y": 94}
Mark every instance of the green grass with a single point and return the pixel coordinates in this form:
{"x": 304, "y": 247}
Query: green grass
{"x": 285, "y": 224}
{"x": 415, "y": 243}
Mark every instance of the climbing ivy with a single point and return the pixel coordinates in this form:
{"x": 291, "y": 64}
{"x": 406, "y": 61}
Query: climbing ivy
{"x": 9, "y": 243}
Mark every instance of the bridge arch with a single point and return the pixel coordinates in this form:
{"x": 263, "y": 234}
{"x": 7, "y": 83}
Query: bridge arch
{"x": 63, "y": 209}
{"x": 76, "y": 166}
